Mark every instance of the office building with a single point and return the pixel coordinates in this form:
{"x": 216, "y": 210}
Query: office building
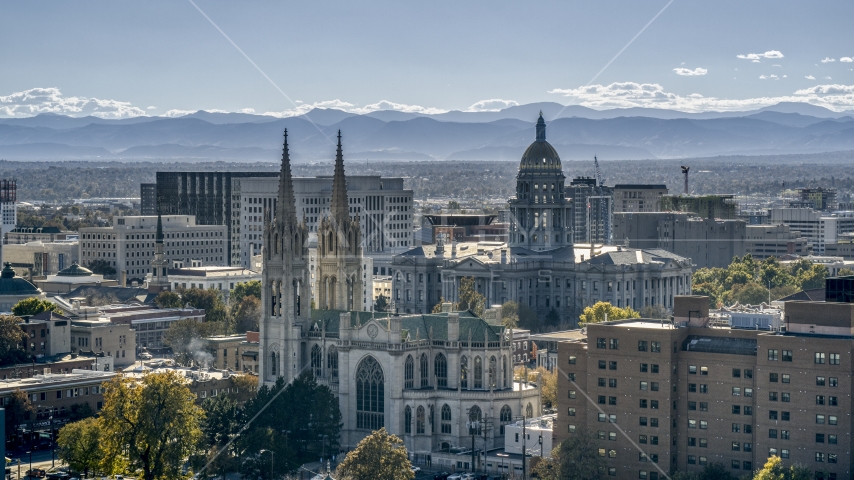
{"x": 222, "y": 279}
{"x": 99, "y": 335}
{"x": 592, "y": 208}
{"x": 21, "y": 235}
{"x": 844, "y": 247}
{"x": 148, "y": 199}
{"x": 706, "y": 206}
{"x": 763, "y": 241}
{"x": 41, "y": 258}
{"x": 238, "y": 200}
{"x": 819, "y": 228}
{"x": 692, "y": 392}
{"x": 129, "y": 245}
{"x": 819, "y": 198}
{"x": 638, "y": 197}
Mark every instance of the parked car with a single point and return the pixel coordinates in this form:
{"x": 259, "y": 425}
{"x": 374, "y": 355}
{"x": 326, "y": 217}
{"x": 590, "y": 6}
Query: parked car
{"x": 455, "y": 476}
{"x": 145, "y": 356}
{"x": 468, "y": 476}
{"x": 441, "y": 476}
{"x": 36, "y": 473}
{"x": 415, "y": 469}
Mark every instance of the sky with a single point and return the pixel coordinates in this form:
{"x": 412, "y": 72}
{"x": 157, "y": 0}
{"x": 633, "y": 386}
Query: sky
{"x": 124, "y": 59}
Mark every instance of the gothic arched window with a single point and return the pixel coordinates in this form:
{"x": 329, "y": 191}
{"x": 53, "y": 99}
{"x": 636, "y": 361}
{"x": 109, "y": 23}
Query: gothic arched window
{"x": 529, "y": 411}
{"x": 316, "y": 361}
{"x": 440, "y": 366}
{"x": 475, "y": 415}
{"x": 425, "y": 371}
{"x": 407, "y": 420}
{"x": 464, "y": 372}
{"x": 507, "y": 373}
{"x": 273, "y": 364}
{"x": 370, "y": 395}
{"x": 332, "y": 363}
{"x": 419, "y": 420}
{"x": 506, "y": 417}
{"x": 446, "y": 418}
{"x": 493, "y": 365}
{"x": 408, "y": 372}
{"x": 478, "y": 372}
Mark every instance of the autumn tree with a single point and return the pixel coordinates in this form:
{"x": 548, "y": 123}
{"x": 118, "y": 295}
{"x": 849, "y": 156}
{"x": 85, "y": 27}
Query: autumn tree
{"x": 33, "y": 306}
{"x": 601, "y": 311}
{"x": 469, "y": 297}
{"x": 79, "y": 445}
{"x": 152, "y": 424}
{"x": 242, "y": 290}
{"x": 380, "y": 455}
{"x": 11, "y": 339}
{"x": 247, "y": 315}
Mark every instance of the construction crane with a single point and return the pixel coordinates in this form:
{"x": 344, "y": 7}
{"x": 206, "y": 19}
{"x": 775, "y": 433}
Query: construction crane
{"x": 604, "y": 204}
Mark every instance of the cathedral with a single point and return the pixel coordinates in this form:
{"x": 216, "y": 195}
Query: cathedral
{"x": 421, "y": 376}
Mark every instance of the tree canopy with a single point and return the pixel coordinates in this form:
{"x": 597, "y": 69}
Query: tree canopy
{"x": 598, "y": 312}
{"x": 168, "y": 299}
{"x": 576, "y": 458}
{"x": 469, "y": 297}
{"x": 11, "y": 340}
{"x": 33, "y": 306}
{"x": 79, "y": 445}
{"x": 244, "y": 289}
{"x": 380, "y": 455}
{"x": 150, "y": 424}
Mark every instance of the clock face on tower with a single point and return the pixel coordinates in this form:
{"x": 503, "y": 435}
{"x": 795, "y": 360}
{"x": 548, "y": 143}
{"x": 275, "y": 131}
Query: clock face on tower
{"x": 372, "y": 331}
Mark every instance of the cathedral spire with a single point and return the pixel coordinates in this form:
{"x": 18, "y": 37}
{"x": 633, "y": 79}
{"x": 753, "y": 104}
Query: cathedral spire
{"x": 339, "y": 209}
{"x": 286, "y": 205}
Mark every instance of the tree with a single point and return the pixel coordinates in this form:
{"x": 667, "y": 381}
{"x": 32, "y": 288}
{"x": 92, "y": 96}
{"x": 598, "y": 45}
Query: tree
{"x": 247, "y": 315}
{"x": 845, "y": 272}
{"x": 380, "y": 455}
{"x": 750, "y": 293}
{"x": 185, "y": 338}
{"x": 244, "y": 289}
{"x": 711, "y": 290}
{"x": 209, "y": 300}
{"x": 11, "y": 339}
{"x": 772, "y": 470}
{"x": 510, "y": 314}
{"x": 716, "y": 471}
{"x": 549, "y": 385}
{"x": 469, "y": 297}
{"x": 34, "y": 306}
{"x": 453, "y": 205}
{"x": 813, "y": 277}
{"x": 167, "y": 299}
{"x": 654, "y": 311}
{"x": 102, "y": 267}
{"x": 18, "y": 410}
{"x": 597, "y": 313}
{"x": 153, "y": 424}
{"x": 784, "y": 291}
{"x": 79, "y": 445}
{"x": 576, "y": 458}
{"x": 381, "y": 304}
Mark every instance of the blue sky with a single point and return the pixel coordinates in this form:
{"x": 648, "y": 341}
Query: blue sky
{"x": 118, "y": 59}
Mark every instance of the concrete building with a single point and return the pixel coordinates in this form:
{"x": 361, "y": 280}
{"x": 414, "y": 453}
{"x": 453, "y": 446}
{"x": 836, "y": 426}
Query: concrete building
{"x": 819, "y": 198}
{"x": 227, "y": 352}
{"x": 42, "y": 258}
{"x": 71, "y": 278}
{"x": 148, "y": 199}
{"x": 763, "y": 241}
{"x": 844, "y": 247}
{"x": 128, "y": 245}
{"x": 590, "y": 209}
{"x": 223, "y": 279}
{"x": 466, "y": 228}
{"x": 819, "y": 228}
{"x": 238, "y": 200}
{"x": 149, "y": 324}
{"x": 707, "y": 206}
{"x": 21, "y": 235}
{"x": 48, "y": 334}
{"x": 99, "y": 335}
{"x": 638, "y": 197}
{"x": 689, "y": 394}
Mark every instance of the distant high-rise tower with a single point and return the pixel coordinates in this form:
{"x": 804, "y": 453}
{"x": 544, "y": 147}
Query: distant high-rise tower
{"x": 8, "y": 215}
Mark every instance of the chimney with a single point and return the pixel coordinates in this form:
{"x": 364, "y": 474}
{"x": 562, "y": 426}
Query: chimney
{"x": 447, "y": 306}
{"x": 454, "y": 249}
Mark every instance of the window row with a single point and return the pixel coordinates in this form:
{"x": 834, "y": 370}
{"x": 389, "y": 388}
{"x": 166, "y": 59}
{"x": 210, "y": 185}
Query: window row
{"x": 692, "y": 388}
{"x": 832, "y": 439}
{"x": 647, "y": 368}
{"x": 611, "y": 365}
{"x": 704, "y": 425}
{"x": 736, "y": 391}
{"x": 784, "y": 434}
{"x": 611, "y": 343}
{"x": 737, "y": 372}
{"x": 831, "y": 358}
{"x": 692, "y": 370}
{"x": 747, "y": 428}
{"x": 653, "y": 346}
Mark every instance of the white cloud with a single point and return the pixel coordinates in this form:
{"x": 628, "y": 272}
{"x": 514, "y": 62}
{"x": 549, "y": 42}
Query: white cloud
{"x": 177, "y": 113}
{"x": 828, "y": 60}
{"x": 773, "y": 76}
{"x": 810, "y": 77}
{"x": 247, "y": 110}
{"x": 652, "y": 95}
{"x": 491, "y": 105}
{"x": 785, "y": 76}
{"x": 400, "y": 107}
{"x": 756, "y": 56}
{"x": 51, "y": 100}
{"x": 776, "y": 65}
{"x": 152, "y": 107}
{"x": 762, "y": 77}
{"x": 687, "y": 72}
{"x": 338, "y": 104}
{"x": 846, "y": 59}
{"x": 828, "y": 78}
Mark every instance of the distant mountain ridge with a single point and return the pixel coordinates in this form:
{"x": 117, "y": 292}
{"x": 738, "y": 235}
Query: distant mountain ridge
{"x": 577, "y": 133}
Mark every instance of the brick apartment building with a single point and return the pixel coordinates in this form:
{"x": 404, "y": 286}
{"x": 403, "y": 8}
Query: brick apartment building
{"x": 666, "y": 396}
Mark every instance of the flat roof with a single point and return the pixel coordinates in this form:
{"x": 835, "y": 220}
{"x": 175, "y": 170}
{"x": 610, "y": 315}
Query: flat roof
{"x": 725, "y": 345}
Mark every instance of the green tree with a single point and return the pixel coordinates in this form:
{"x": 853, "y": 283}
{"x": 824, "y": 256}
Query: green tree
{"x": 510, "y": 314}
{"x": 12, "y": 337}
{"x": 102, "y": 267}
{"x": 167, "y": 299}
{"x": 247, "y": 315}
{"x": 153, "y": 424}
{"x": 469, "y": 297}
{"x": 549, "y": 386}
{"x": 716, "y": 471}
{"x": 713, "y": 291}
{"x": 813, "y": 277}
{"x": 34, "y": 306}
{"x": 380, "y": 455}
{"x": 772, "y": 470}
{"x": 597, "y": 313}
{"x": 654, "y": 311}
{"x": 784, "y": 291}
{"x": 79, "y": 445}
{"x": 576, "y": 458}
{"x": 845, "y": 272}
{"x": 244, "y": 289}
{"x": 750, "y": 293}
{"x": 186, "y": 339}
{"x": 209, "y": 300}
{"x": 453, "y": 205}
{"x": 18, "y": 410}
{"x": 381, "y": 304}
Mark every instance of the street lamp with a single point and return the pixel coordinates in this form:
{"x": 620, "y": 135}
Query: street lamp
{"x": 473, "y": 426}
{"x": 272, "y": 460}
{"x": 52, "y": 442}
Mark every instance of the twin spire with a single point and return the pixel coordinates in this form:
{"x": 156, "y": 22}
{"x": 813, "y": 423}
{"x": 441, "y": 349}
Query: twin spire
{"x": 339, "y": 210}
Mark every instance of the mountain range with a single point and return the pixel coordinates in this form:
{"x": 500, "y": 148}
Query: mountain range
{"x": 576, "y": 132}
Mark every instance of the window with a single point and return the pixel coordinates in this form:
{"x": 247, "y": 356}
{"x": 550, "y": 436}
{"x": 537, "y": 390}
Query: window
{"x": 571, "y": 394}
{"x": 819, "y": 438}
{"x": 440, "y": 367}
{"x": 787, "y": 355}
{"x": 704, "y": 425}
{"x": 643, "y": 421}
{"x": 602, "y": 417}
{"x": 653, "y": 386}
{"x": 692, "y": 459}
{"x": 831, "y": 458}
{"x": 773, "y": 414}
{"x": 704, "y": 370}
{"x": 704, "y": 388}
{"x": 692, "y": 369}
{"x": 612, "y": 365}
{"x": 748, "y": 392}
{"x": 601, "y": 400}
{"x": 655, "y": 347}
{"x": 446, "y": 417}
{"x": 833, "y": 401}
{"x": 831, "y": 439}
{"x": 408, "y": 372}
{"x": 704, "y": 406}
{"x": 773, "y": 377}
{"x": 653, "y": 422}
{"x": 819, "y": 357}
{"x": 819, "y": 399}
{"x": 819, "y": 419}
{"x": 600, "y": 343}
{"x": 833, "y": 382}
{"x": 643, "y": 403}
{"x": 819, "y": 381}
{"x": 642, "y": 345}
{"x": 703, "y": 460}
{"x": 736, "y": 373}
{"x": 736, "y": 427}
{"x": 653, "y": 404}
{"x": 572, "y": 359}
{"x": 748, "y": 410}
{"x": 570, "y": 411}
{"x": 784, "y": 453}
{"x": 832, "y": 420}
{"x": 736, "y": 464}
{"x": 601, "y": 381}
{"x": 772, "y": 433}
{"x": 819, "y": 457}
{"x": 407, "y": 420}
{"x": 642, "y": 439}
{"x": 644, "y": 386}
{"x": 692, "y": 387}
{"x": 772, "y": 396}
{"x": 692, "y": 423}
{"x": 786, "y": 378}
{"x": 736, "y": 409}
{"x": 748, "y": 373}
{"x": 601, "y": 364}
{"x": 644, "y": 367}
{"x": 784, "y": 434}
{"x": 736, "y": 446}
{"x": 736, "y": 391}
{"x": 692, "y": 405}
{"x": 834, "y": 358}
{"x": 614, "y": 343}
{"x": 704, "y": 443}
{"x": 785, "y": 416}
{"x": 612, "y": 383}
{"x": 654, "y": 368}
{"x": 370, "y": 395}
{"x": 773, "y": 355}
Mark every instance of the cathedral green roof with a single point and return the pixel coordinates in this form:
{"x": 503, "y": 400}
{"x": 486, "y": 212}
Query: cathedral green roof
{"x": 417, "y": 325}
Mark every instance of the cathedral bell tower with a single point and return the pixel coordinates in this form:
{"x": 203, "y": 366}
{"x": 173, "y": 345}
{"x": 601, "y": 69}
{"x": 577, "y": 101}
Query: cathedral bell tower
{"x": 339, "y": 266}
{"x": 286, "y": 291}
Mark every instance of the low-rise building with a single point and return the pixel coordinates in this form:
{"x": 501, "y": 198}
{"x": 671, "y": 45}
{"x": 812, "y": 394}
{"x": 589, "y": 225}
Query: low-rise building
{"x": 819, "y": 228}
{"x": 222, "y": 279}
{"x": 150, "y": 324}
{"x": 100, "y": 335}
{"x": 41, "y": 258}
{"x": 22, "y": 235}
{"x": 226, "y": 351}
{"x": 48, "y": 334}
{"x": 71, "y": 278}
{"x": 763, "y": 241}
